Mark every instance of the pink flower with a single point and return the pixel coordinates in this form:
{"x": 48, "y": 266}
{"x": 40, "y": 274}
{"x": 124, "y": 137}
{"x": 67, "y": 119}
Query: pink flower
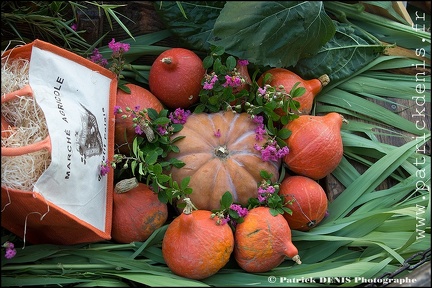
{"x": 179, "y": 116}
{"x": 118, "y": 47}
{"x": 105, "y": 168}
{"x": 138, "y": 130}
{"x": 262, "y": 91}
{"x": 225, "y": 220}
{"x": 232, "y": 81}
{"x": 117, "y": 110}
{"x": 208, "y": 85}
{"x": 243, "y": 62}
{"x": 217, "y": 133}
{"x": 240, "y": 210}
{"x": 162, "y": 129}
{"x": 282, "y": 152}
{"x": 260, "y": 132}
{"x": 97, "y": 58}
{"x": 10, "y": 253}
{"x": 10, "y": 250}
{"x": 74, "y": 26}
{"x": 258, "y": 119}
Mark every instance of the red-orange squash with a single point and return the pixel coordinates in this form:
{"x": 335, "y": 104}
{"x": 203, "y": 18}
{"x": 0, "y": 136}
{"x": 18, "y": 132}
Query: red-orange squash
{"x": 137, "y": 212}
{"x": 307, "y": 201}
{"x": 287, "y": 78}
{"x": 195, "y": 246}
{"x": 175, "y": 77}
{"x": 315, "y": 145}
{"x": 262, "y": 241}
{"x": 219, "y": 155}
{"x": 140, "y": 98}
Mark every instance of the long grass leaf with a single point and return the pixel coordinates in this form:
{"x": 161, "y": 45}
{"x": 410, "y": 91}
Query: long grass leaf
{"x": 373, "y": 111}
{"x": 368, "y": 181}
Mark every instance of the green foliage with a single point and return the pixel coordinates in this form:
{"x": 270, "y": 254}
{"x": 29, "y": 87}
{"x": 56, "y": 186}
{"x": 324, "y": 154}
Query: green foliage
{"x": 147, "y": 161}
{"x": 252, "y": 31}
{"x": 52, "y": 21}
{"x": 347, "y": 51}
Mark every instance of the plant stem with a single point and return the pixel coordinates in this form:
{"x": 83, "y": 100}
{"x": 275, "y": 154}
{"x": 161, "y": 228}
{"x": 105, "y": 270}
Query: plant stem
{"x": 356, "y": 11}
{"x": 57, "y": 266}
{"x": 131, "y": 67}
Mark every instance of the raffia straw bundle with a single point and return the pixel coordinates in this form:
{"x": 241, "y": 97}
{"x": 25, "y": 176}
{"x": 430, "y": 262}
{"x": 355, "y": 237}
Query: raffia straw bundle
{"x": 27, "y": 126}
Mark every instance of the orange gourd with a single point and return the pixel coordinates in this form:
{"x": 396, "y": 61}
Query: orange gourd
{"x": 315, "y": 145}
{"x": 219, "y": 155}
{"x": 307, "y": 201}
{"x": 140, "y": 98}
{"x": 195, "y": 246}
{"x": 175, "y": 77}
{"x": 262, "y": 241}
{"x": 137, "y": 212}
{"x": 287, "y": 78}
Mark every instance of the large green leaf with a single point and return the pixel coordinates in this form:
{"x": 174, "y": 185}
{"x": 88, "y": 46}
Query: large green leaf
{"x": 196, "y": 28}
{"x": 273, "y": 33}
{"x": 348, "y": 51}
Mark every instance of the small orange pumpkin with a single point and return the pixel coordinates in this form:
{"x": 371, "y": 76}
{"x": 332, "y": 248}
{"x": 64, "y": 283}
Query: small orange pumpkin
{"x": 175, "y": 77}
{"x": 315, "y": 145}
{"x": 219, "y": 155}
{"x": 137, "y": 212}
{"x": 307, "y": 201}
{"x": 262, "y": 241}
{"x": 139, "y": 98}
{"x": 287, "y": 78}
{"x": 194, "y": 246}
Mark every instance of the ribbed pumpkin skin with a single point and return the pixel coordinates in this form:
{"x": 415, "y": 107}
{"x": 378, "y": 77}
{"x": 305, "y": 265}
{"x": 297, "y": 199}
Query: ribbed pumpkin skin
{"x": 309, "y": 202}
{"x": 211, "y": 173}
{"x": 137, "y": 213}
{"x": 124, "y": 130}
{"x": 287, "y": 78}
{"x": 262, "y": 241}
{"x": 315, "y": 145}
{"x": 194, "y": 246}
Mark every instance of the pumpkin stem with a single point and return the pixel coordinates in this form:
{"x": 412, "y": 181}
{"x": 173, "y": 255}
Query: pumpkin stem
{"x": 221, "y": 152}
{"x": 189, "y": 206}
{"x": 125, "y": 185}
{"x": 166, "y": 60}
{"x": 324, "y": 79}
{"x": 344, "y": 120}
{"x": 296, "y": 259}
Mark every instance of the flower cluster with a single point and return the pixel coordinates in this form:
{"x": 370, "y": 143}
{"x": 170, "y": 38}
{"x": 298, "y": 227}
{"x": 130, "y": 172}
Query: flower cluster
{"x": 157, "y": 128}
{"x": 268, "y": 196}
{"x": 10, "y": 250}
{"x": 232, "y": 215}
{"x": 270, "y": 151}
{"x": 232, "y": 79}
{"x": 265, "y": 190}
{"x": 118, "y": 49}
{"x": 97, "y": 58}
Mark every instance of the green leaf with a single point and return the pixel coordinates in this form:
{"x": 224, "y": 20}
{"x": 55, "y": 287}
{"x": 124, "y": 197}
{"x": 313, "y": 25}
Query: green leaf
{"x": 284, "y": 133}
{"x": 184, "y": 183}
{"x": 226, "y": 200}
{"x": 151, "y": 158}
{"x": 348, "y": 51}
{"x": 254, "y": 30}
{"x": 195, "y": 30}
{"x": 388, "y": 7}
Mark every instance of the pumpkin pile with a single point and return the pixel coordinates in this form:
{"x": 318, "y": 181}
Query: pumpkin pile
{"x": 223, "y": 151}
